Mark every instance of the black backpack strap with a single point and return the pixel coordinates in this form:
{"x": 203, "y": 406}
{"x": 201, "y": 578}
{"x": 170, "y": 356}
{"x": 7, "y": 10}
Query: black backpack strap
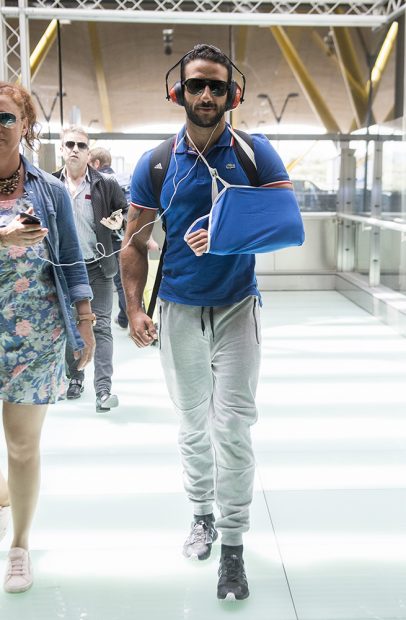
{"x": 158, "y": 167}
{"x": 246, "y": 163}
{"x": 157, "y": 283}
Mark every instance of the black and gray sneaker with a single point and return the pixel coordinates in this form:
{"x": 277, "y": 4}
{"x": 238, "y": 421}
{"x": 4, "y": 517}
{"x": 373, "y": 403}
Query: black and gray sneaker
{"x": 202, "y": 535}
{"x": 105, "y": 401}
{"x": 232, "y": 584}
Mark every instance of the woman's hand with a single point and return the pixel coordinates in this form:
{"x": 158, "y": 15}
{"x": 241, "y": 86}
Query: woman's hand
{"x": 22, "y": 235}
{"x": 85, "y": 355}
{"x": 198, "y": 241}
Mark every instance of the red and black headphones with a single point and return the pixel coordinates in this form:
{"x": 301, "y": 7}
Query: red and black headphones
{"x": 235, "y": 94}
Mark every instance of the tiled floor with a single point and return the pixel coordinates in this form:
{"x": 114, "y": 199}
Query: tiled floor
{"x": 328, "y": 536}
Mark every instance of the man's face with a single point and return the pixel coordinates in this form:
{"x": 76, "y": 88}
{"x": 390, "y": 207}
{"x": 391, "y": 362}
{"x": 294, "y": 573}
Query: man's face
{"x": 205, "y": 109}
{"x": 75, "y": 151}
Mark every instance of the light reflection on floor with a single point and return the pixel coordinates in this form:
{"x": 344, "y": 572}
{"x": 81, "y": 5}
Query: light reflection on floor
{"x": 328, "y": 535}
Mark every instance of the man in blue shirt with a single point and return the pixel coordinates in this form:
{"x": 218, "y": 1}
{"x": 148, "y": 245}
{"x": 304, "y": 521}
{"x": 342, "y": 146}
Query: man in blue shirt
{"x": 208, "y": 308}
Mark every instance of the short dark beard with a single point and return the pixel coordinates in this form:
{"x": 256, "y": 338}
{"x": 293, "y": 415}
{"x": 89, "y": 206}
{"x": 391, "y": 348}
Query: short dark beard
{"x": 194, "y": 118}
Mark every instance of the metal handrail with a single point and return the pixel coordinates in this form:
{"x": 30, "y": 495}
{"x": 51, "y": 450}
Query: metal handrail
{"x": 334, "y": 137}
{"x": 372, "y": 221}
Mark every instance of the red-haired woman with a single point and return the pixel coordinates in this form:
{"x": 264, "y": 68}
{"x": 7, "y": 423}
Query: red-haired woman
{"x": 41, "y": 276}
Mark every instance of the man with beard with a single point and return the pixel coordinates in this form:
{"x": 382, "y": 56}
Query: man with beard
{"x": 208, "y": 308}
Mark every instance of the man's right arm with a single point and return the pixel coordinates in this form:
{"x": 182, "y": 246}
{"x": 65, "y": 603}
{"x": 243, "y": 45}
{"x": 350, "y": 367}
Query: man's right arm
{"x": 134, "y": 271}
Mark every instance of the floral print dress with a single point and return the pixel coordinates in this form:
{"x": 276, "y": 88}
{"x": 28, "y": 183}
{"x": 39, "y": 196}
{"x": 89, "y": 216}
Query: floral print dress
{"x": 32, "y": 331}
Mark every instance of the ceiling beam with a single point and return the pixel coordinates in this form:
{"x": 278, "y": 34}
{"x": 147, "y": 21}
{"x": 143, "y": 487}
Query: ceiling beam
{"x": 349, "y": 66}
{"x": 304, "y": 79}
{"x": 210, "y": 18}
{"x": 100, "y": 76}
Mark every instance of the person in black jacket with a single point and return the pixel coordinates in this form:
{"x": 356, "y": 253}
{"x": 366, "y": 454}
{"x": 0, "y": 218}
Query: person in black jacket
{"x": 100, "y": 159}
{"x": 95, "y": 197}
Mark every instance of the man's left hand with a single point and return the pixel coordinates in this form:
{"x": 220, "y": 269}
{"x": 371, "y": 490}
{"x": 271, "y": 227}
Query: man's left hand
{"x": 198, "y": 241}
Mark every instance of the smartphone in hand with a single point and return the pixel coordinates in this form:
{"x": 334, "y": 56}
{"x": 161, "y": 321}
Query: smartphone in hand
{"x": 29, "y": 218}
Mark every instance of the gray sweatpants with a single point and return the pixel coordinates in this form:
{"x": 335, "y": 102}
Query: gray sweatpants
{"x": 211, "y": 357}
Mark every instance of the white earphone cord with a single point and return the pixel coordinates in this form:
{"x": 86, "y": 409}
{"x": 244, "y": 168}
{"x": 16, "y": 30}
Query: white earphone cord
{"x": 99, "y": 246}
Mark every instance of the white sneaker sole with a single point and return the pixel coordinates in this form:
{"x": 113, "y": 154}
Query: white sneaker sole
{"x": 194, "y": 557}
{"x": 11, "y": 590}
{"x": 109, "y": 403}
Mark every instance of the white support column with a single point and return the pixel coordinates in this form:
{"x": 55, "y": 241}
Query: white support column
{"x": 346, "y": 197}
{"x": 376, "y": 211}
{"x": 402, "y": 264}
{"x": 404, "y": 78}
{"x": 3, "y": 45}
{"x": 24, "y": 45}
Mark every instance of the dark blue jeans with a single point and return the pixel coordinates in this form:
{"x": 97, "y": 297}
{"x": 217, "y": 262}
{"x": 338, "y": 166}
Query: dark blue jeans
{"x": 102, "y": 305}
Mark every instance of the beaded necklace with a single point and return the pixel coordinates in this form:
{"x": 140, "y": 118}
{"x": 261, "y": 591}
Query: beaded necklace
{"x": 10, "y": 184}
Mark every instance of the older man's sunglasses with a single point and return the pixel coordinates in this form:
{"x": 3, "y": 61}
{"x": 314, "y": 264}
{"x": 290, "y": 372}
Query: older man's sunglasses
{"x": 7, "y": 119}
{"x": 82, "y": 146}
{"x": 195, "y": 86}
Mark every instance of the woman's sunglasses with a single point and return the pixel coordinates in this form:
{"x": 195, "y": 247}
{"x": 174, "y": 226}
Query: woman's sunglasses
{"x": 195, "y": 86}
{"x": 7, "y": 119}
{"x": 82, "y": 146}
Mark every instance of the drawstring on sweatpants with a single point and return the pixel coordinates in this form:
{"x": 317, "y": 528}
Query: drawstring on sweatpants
{"x": 211, "y": 316}
{"x": 211, "y": 319}
{"x": 202, "y": 320}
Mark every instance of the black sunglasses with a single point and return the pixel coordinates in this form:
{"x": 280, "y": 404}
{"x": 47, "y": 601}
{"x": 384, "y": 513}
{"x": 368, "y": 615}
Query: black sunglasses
{"x": 7, "y": 119}
{"x": 82, "y": 146}
{"x": 195, "y": 86}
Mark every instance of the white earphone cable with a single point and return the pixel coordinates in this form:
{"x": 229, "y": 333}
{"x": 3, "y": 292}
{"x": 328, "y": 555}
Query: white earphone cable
{"x": 99, "y": 246}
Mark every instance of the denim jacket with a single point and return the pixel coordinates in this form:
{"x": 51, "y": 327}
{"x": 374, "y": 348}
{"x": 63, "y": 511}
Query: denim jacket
{"x": 52, "y": 204}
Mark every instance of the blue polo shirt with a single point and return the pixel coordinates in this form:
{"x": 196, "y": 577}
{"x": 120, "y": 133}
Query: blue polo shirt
{"x": 208, "y": 280}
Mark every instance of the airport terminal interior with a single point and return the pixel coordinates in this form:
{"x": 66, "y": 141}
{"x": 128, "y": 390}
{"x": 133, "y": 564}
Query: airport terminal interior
{"x": 325, "y": 83}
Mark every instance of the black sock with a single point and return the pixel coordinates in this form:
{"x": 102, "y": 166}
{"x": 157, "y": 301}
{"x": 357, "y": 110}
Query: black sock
{"x": 231, "y": 550}
{"x": 209, "y": 517}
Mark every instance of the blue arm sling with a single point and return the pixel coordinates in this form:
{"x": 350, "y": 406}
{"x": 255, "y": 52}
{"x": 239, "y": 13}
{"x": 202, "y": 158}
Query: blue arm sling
{"x": 250, "y": 220}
